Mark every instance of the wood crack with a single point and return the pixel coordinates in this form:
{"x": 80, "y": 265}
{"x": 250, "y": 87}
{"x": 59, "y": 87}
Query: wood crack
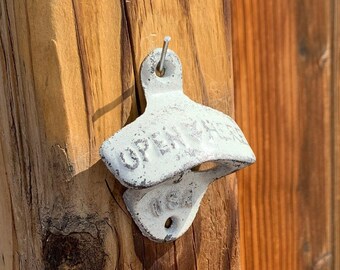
{"x": 114, "y": 198}
{"x": 126, "y": 19}
{"x": 84, "y": 77}
{"x": 194, "y": 245}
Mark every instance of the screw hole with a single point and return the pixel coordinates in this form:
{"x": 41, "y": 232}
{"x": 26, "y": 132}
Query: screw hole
{"x": 160, "y": 73}
{"x": 168, "y": 223}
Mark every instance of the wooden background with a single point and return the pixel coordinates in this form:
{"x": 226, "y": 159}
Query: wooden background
{"x": 69, "y": 79}
{"x": 286, "y": 71}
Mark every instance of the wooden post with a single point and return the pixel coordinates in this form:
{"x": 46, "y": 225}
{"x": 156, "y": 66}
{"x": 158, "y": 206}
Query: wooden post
{"x": 68, "y": 78}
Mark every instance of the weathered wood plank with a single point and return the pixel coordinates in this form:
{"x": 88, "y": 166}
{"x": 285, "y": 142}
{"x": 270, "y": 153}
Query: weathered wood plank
{"x": 66, "y": 85}
{"x": 204, "y": 47}
{"x": 282, "y": 69}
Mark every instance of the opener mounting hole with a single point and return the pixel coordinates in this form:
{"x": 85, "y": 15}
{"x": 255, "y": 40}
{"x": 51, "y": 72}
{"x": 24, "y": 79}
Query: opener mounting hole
{"x": 168, "y": 223}
{"x": 168, "y": 71}
{"x": 160, "y": 73}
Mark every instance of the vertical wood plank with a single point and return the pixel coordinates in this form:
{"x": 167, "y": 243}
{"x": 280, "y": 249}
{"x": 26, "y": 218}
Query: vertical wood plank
{"x": 201, "y": 36}
{"x": 282, "y": 70}
{"x": 336, "y": 133}
{"x": 66, "y": 84}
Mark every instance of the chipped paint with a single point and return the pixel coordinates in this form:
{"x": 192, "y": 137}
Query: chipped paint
{"x": 154, "y": 155}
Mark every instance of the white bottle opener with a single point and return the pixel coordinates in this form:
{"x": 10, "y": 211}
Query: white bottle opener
{"x": 154, "y": 155}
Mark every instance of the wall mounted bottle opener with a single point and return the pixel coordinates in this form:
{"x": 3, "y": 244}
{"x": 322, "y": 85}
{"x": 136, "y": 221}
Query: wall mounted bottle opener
{"x": 154, "y": 155}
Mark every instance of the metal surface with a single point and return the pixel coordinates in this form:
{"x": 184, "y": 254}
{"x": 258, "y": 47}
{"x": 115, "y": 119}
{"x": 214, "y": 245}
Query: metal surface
{"x": 160, "y": 66}
{"x": 154, "y": 155}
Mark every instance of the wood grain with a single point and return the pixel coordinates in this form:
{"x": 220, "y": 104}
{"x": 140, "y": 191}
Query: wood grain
{"x": 69, "y": 72}
{"x": 7, "y": 236}
{"x": 67, "y": 84}
{"x": 283, "y": 62}
{"x": 336, "y": 133}
{"x": 67, "y": 77}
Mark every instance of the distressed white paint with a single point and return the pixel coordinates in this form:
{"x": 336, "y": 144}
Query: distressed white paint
{"x": 153, "y": 156}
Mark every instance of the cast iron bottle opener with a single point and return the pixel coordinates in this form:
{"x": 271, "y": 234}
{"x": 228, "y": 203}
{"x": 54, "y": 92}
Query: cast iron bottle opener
{"x": 154, "y": 155}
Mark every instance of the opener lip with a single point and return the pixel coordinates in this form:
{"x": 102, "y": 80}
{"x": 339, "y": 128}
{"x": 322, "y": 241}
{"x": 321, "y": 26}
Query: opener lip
{"x": 165, "y": 177}
{"x": 203, "y": 154}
